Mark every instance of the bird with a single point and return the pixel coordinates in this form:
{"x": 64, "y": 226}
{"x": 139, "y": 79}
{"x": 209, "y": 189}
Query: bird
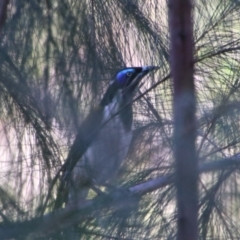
{"x": 103, "y": 139}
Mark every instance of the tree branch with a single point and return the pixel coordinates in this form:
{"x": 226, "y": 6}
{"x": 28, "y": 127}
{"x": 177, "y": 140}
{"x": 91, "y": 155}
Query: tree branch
{"x": 64, "y": 218}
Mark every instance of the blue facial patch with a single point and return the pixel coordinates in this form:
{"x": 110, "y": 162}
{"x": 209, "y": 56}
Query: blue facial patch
{"x": 124, "y": 75}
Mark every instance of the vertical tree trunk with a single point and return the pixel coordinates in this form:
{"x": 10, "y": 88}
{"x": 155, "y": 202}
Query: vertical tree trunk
{"x": 181, "y": 37}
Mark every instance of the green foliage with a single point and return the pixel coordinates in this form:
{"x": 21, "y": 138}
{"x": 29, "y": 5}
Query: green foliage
{"x": 56, "y": 59}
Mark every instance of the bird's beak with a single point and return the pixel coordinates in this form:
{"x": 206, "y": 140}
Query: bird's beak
{"x": 147, "y": 69}
{"x": 143, "y": 73}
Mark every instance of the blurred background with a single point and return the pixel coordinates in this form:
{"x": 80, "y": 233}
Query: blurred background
{"x": 57, "y": 59}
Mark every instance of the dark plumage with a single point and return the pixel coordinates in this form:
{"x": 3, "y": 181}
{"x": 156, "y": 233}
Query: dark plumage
{"x": 104, "y": 137}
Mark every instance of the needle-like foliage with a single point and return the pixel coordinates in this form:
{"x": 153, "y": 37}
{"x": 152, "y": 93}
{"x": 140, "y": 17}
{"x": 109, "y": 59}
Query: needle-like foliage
{"x": 56, "y": 60}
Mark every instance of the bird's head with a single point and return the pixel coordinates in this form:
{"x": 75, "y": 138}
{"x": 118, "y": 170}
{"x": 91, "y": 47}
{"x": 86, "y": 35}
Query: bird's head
{"x": 129, "y": 78}
{"x": 126, "y": 80}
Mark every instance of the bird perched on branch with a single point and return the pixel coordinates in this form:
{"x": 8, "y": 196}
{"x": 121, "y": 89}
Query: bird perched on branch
{"x": 104, "y": 137}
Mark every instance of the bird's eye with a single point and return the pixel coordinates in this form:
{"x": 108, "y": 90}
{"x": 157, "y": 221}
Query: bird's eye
{"x": 129, "y": 74}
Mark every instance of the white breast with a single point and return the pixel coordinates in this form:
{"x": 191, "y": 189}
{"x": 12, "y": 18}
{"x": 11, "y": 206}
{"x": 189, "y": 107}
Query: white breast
{"x": 107, "y": 152}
